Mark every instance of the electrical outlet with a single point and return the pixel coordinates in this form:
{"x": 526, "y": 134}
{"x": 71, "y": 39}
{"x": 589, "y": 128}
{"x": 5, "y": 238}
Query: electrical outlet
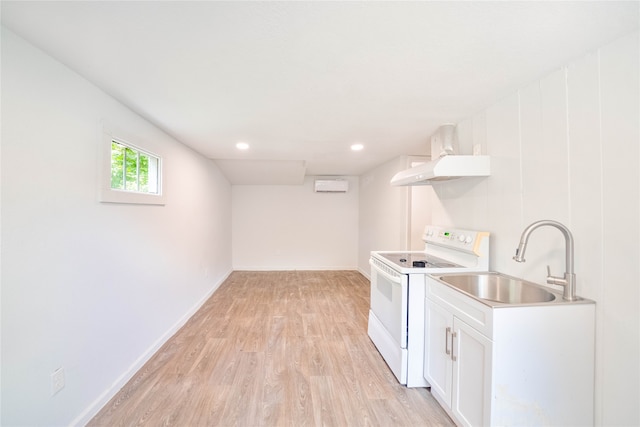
{"x": 57, "y": 380}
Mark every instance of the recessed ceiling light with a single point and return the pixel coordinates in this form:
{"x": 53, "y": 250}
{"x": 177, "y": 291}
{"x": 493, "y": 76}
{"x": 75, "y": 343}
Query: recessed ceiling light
{"x": 242, "y": 146}
{"x": 357, "y": 147}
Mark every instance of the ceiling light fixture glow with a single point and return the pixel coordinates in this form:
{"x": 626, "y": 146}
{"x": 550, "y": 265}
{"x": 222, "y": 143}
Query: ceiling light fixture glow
{"x": 357, "y": 147}
{"x": 242, "y": 146}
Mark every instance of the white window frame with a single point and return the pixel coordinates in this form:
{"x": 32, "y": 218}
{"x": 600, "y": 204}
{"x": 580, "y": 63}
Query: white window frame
{"x": 112, "y": 195}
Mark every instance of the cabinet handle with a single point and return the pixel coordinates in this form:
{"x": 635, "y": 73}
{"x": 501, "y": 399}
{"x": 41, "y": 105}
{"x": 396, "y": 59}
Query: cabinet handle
{"x": 446, "y": 341}
{"x": 453, "y": 353}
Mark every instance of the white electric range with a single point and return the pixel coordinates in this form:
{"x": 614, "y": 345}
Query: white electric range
{"x": 398, "y": 291}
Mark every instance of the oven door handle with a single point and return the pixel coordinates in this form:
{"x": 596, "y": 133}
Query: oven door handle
{"x": 395, "y": 279}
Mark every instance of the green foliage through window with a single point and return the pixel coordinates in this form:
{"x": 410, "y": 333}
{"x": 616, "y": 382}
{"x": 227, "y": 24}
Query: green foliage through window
{"x": 133, "y": 170}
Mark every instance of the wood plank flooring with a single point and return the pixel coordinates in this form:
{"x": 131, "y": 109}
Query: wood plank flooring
{"x": 273, "y": 349}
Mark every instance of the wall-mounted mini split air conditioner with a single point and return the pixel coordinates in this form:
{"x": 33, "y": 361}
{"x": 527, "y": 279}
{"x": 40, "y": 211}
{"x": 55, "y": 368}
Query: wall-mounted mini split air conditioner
{"x": 331, "y": 186}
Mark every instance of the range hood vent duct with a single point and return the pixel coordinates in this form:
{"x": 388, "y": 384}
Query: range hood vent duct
{"x": 447, "y": 164}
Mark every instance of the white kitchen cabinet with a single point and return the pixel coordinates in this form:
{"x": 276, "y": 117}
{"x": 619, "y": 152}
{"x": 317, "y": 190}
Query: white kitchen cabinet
{"x": 507, "y": 365}
{"x": 471, "y": 375}
{"x": 438, "y": 365}
{"x": 458, "y": 367}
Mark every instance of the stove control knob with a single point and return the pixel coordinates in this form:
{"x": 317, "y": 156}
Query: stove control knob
{"x": 469, "y": 239}
{"x": 462, "y": 238}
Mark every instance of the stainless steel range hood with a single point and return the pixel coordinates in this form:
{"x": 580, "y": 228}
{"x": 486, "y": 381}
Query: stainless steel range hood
{"x": 447, "y": 164}
{"x": 444, "y": 168}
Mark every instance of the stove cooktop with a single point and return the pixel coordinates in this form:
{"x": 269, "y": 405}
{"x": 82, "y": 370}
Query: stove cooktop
{"x": 417, "y": 260}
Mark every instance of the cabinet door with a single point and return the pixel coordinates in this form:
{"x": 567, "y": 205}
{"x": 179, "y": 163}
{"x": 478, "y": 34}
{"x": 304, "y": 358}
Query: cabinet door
{"x": 471, "y": 400}
{"x": 437, "y": 363}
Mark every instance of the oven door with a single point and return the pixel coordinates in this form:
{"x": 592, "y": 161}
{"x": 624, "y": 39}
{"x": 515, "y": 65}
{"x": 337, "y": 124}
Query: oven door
{"x": 389, "y": 293}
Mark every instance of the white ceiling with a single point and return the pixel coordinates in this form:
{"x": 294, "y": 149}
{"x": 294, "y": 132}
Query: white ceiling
{"x": 302, "y": 81}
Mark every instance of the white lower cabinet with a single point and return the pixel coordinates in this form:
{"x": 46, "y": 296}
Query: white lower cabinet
{"x": 438, "y": 365}
{"x": 471, "y": 389}
{"x": 509, "y": 365}
{"x": 458, "y": 367}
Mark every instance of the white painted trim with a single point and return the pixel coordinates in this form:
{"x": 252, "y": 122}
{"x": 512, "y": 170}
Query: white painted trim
{"x": 106, "y": 194}
{"x": 126, "y": 376}
{"x": 294, "y": 268}
{"x": 364, "y": 273}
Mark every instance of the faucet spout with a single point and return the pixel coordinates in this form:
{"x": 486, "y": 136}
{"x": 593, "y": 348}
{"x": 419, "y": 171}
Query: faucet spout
{"x": 569, "y": 279}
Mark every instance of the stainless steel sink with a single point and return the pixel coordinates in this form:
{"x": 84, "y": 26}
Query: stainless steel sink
{"x": 499, "y": 288}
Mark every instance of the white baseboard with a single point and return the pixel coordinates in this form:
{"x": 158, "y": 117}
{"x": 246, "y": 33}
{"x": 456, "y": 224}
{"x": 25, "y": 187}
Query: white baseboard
{"x": 296, "y": 268}
{"x": 107, "y": 395}
{"x": 364, "y": 273}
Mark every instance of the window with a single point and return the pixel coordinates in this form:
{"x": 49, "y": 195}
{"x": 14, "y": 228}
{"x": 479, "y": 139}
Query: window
{"x": 133, "y": 170}
{"x": 129, "y": 173}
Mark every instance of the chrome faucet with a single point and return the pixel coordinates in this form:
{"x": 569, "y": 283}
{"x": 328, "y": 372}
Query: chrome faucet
{"x": 569, "y": 279}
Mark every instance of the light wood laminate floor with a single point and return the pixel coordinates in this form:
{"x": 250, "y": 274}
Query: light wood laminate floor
{"x": 274, "y": 349}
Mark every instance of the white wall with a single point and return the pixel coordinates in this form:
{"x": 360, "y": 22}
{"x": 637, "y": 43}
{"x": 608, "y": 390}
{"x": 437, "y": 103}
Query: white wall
{"x": 383, "y": 212}
{"x": 290, "y": 227}
{"x": 419, "y": 208}
{"x": 566, "y": 147}
{"x": 78, "y": 292}
{"x": 391, "y": 218}
{"x": 94, "y": 288}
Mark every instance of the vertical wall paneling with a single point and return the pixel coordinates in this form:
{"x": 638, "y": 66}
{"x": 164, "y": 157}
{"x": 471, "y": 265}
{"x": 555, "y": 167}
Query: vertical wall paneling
{"x": 479, "y": 134}
{"x": 566, "y": 147}
{"x": 585, "y": 183}
{"x": 464, "y": 131}
{"x": 619, "y": 74}
{"x": 504, "y": 184}
{"x": 544, "y": 171}
{"x": 464, "y": 195}
{"x": 551, "y": 174}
